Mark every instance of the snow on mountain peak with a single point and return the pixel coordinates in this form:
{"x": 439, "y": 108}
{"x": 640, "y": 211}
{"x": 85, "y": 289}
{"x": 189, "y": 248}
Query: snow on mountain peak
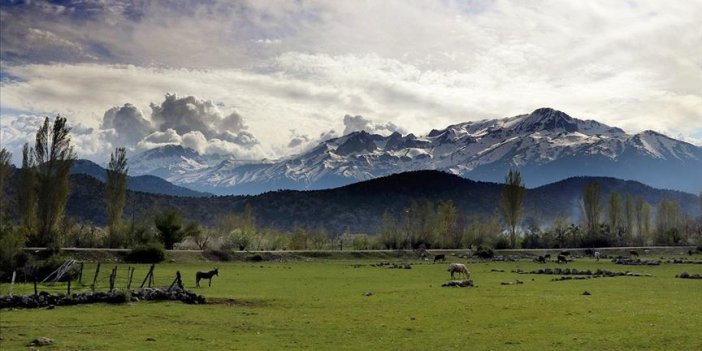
{"x": 546, "y": 138}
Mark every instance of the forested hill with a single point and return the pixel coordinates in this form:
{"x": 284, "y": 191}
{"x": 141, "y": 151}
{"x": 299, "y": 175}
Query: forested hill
{"x": 360, "y": 206}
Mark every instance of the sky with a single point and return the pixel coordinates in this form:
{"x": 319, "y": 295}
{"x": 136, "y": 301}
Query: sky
{"x": 266, "y": 79}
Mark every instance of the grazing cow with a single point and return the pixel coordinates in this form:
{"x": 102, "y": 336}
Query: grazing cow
{"x": 547, "y": 257}
{"x": 565, "y": 253}
{"x": 689, "y": 252}
{"x": 633, "y": 253}
{"x": 597, "y": 255}
{"x": 540, "y": 259}
{"x": 440, "y": 257}
{"x": 206, "y": 275}
{"x": 562, "y": 259}
{"x": 459, "y": 268}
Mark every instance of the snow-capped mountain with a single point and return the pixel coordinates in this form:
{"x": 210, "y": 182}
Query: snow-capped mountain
{"x": 171, "y": 160}
{"x": 545, "y": 145}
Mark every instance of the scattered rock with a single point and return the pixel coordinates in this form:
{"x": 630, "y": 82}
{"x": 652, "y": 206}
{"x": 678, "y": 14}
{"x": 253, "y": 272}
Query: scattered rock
{"x": 150, "y": 339}
{"x": 497, "y": 270}
{"x": 41, "y": 341}
{"x": 459, "y": 283}
{"x": 44, "y": 299}
{"x": 367, "y": 293}
{"x": 685, "y": 275}
{"x": 586, "y": 293}
{"x": 635, "y": 261}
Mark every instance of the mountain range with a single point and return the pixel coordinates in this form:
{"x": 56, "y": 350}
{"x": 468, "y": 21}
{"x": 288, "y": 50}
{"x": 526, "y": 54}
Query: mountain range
{"x": 545, "y": 146}
{"x": 144, "y": 183}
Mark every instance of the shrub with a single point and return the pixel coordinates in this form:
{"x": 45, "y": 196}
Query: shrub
{"x": 218, "y": 255}
{"x": 255, "y": 258}
{"x": 502, "y": 243}
{"x": 146, "y": 254}
{"x": 484, "y": 252}
{"x": 12, "y": 255}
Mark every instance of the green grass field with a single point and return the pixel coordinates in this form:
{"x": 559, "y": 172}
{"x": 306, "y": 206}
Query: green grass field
{"x": 320, "y": 305}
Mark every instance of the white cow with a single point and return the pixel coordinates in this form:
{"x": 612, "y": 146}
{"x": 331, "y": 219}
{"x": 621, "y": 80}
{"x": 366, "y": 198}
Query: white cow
{"x": 597, "y": 255}
{"x": 459, "y": 268}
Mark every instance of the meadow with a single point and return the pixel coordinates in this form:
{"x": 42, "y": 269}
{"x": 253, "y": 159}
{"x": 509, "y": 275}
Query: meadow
{"x": 320, "y": 304}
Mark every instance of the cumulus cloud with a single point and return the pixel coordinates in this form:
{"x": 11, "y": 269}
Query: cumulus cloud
{"x": 297, "y": 139}
{"x": 128, "y": 123}
{"x": 358, "y": 123}
{"x": 201, "y": 125}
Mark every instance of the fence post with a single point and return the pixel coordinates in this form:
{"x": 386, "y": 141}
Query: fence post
{"x": 12, "y": 283}
{"x": 80, "y": 274}
{"x": 177, "y": 281}
{"x": 68, "y": 289}
{"x": 130, "y": 274}
{"x": 113, "y": 275}
{"x": 149, "y": 277}
{"x": 97, "y": 271}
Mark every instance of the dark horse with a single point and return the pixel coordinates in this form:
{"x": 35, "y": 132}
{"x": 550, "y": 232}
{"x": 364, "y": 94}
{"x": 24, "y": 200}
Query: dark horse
{"x": 441, "y": 257}
{"x": 205, "y": 275}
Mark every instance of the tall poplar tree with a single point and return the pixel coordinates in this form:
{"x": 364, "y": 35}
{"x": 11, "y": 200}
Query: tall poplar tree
{"x": 54, "y": 158}
{"x": 513, "y": 194}
{"x": 116, "y": 194}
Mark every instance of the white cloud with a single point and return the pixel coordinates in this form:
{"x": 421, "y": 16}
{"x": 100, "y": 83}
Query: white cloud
{"x": 358, "y": 123}
{"x": 128, "y": 123}
{"x": 302, "y": 65}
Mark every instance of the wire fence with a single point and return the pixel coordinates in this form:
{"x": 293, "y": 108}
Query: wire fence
{"x": 87, "y": 281}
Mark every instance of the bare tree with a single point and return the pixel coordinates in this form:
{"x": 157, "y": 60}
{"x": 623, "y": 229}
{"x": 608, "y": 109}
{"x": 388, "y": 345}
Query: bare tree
{"x": 116, "y": 194}
{"x": 26, "y": 192}
{"x": 643, "y": 219}
{"x": 614, "y": 213}
{"x": 513, "y": 194}
{"x": 669, "y": 221}
{"x": 54, "y": 157}
{"x": 628, "y": 217}
{"x": 5, "y": 167}
{"x": 592, "y": 207}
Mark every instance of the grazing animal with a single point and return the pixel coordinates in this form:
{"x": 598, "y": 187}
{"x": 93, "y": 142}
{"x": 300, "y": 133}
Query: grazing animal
{"x": 565, "y": 253}
{"x": 562, "y": 259}
{"x": 540, "y": 259}
{"x": 597, "y": 255}
{"x": 441, "y": 257}
{"x": 689, "y": 252}
{"x": 459, "y": 268}
{"x": 547, "y": 257}
{"x": 633, "y": 253}
{"x": 206, "y": 275}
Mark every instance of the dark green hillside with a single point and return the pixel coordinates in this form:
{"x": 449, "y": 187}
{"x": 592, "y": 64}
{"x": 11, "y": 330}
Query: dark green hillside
{"x": 360, "y": 206}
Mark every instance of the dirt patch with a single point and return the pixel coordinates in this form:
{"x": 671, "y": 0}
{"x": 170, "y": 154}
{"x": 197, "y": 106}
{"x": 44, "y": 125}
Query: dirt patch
{"x": 237, "y": 302}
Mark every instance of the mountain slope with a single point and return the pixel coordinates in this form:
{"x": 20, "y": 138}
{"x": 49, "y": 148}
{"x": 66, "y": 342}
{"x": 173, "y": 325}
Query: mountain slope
{"x": 545, "y": 145}
{"x": 144, "y": 183}
{"x": 360, "y": 206}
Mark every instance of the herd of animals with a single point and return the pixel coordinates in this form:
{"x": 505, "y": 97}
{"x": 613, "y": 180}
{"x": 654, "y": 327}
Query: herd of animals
{"x": 455, "y": 269}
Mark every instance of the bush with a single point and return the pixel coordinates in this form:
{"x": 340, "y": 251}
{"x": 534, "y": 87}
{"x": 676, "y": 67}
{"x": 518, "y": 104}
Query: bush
{"x": 484, "y": 252}
{"x": 218, "y": 255}
{"x": 146, "y": 254}
{"x": 502, "y": 243}
{"x": 255, "y": 258}
{"x": 12, "y": 255}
